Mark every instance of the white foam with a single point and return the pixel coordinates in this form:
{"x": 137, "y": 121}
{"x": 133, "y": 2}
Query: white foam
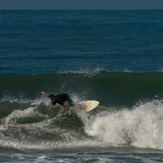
{"x": 84, "y": 71}
{"x": 32, "y": 102}
{"x": 15, "y": 100}
{"x": 29, "y": 112}
{"x": 39, "y": 101}
{"x": 140, "y": 127}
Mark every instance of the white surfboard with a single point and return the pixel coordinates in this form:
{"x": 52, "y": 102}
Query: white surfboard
{"x": 88, "y": 105}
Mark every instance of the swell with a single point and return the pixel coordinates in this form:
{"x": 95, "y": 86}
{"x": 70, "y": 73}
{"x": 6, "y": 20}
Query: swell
{"x": 110, "y": 88}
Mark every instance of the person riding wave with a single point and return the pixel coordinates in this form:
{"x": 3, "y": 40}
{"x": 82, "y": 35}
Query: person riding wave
{"x": 62, "y": 99}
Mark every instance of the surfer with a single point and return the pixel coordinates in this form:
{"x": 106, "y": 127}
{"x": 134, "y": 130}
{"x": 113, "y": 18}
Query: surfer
{"x": 62, "y": 99}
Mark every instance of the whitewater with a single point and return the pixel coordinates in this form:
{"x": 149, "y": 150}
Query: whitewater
{"x": 105, "y": 127}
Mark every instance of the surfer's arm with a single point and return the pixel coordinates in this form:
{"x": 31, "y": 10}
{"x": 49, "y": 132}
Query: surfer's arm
{"x": 45, "y": 94}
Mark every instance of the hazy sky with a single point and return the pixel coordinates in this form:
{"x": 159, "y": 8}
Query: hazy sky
{"x": 81, "y": 4}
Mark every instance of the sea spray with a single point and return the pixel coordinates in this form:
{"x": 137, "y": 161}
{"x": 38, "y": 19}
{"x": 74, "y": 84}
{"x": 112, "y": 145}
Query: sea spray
{"x": 141, "y": 127}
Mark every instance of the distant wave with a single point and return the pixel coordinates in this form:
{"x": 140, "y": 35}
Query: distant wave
{"x": 92, "y": 71}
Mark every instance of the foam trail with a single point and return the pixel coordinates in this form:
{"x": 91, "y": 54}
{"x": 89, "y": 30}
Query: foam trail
{"x": 140, "y": 127}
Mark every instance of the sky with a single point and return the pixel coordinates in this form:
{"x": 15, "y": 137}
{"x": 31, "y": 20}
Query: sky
{"x": 81, "y": 4}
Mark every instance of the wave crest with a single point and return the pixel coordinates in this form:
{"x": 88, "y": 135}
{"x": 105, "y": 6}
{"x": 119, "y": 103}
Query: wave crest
{"x": 140, "y": 127}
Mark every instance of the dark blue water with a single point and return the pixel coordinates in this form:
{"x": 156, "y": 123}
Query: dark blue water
{"x": 115, "y": 57}
{"x": 59, "y": 41}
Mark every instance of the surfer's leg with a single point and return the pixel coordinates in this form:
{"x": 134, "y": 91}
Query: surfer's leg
{"x": 66, "y": 106}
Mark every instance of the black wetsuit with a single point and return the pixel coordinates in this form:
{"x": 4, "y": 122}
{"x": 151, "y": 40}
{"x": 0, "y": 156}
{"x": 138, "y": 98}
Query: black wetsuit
{"x": 60, "y": 99}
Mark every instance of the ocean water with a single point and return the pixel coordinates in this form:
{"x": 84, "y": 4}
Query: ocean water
{"x": 115, "y": 57}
